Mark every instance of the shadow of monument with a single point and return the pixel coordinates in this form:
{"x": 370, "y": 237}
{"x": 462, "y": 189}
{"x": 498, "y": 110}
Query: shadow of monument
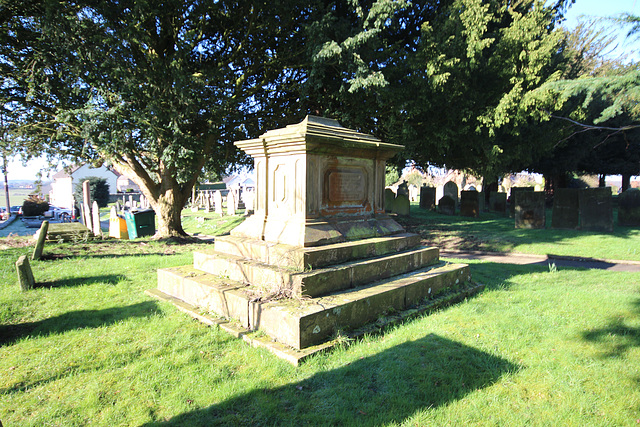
{"x": 384, "y": 388}
{"x": 79, "y": 319}
{"x": 617, "y": 337}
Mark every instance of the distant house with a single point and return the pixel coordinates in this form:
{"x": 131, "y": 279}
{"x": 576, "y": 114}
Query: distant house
{"x": 64, "y": 183}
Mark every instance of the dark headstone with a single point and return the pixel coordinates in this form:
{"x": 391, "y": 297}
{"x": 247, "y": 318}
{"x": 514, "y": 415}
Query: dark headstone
{"x": 470, "y": 204}
{"x": 428, "y": 197}
{"x": 25, "y": 275}
{"x": 512, "y": 198}
{"x": 629, "y": 207}
{"x": 498, "y": 202}
{"x": 389, "y": 199}
{"x": 596, "y": 209}
{"x": 529, "y": 209}
{"x": 566, "y": 208}
{"x": 403, "y": 189}
{"x": 447, "y": 205}
{"x": 401, "y": 205}
{"x": 451, "y": 189}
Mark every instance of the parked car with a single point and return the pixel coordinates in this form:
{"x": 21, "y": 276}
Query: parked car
{"x": 16, "y": 210}
{"x": 59, "y": 214}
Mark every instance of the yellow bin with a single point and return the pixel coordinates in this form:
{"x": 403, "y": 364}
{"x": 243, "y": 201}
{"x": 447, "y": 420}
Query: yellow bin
{"x": 117, "y": 226}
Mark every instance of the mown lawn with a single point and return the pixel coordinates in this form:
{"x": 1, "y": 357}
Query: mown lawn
{"x": 495, "y": 232}
{"x": 88, "y": 347}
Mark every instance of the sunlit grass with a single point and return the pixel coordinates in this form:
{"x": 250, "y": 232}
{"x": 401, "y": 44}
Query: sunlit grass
{"x": 537, "y": 347}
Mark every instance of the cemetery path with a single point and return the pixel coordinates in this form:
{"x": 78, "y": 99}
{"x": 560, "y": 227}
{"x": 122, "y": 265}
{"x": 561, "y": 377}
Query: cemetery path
{"x": 543, "y": 260}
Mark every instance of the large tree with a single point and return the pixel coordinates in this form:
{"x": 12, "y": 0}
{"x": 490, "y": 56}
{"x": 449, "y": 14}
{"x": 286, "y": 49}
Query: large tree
{"x": 157, "y": 89}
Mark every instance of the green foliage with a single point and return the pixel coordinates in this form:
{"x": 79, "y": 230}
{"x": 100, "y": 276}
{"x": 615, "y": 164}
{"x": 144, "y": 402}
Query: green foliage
{"x": 98, "y": 188}
{"x": 391, "y": 176}
{"x": 34, "y": 206}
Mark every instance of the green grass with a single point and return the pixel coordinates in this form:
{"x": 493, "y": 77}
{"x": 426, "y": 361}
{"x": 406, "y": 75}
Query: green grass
{"x": 88, "y": 347}
{"x": 494, "y": 232}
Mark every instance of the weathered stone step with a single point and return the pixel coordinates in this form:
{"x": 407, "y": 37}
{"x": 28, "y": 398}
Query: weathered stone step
{"x": 300, "y": 258}
{"x": 274, "y": 280}
{"x": 300, "y": 323}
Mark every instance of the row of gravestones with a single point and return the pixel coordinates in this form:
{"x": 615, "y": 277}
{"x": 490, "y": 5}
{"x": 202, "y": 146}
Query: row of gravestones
{"x": 212, "y": 200}
{"x": 586, "y": 209}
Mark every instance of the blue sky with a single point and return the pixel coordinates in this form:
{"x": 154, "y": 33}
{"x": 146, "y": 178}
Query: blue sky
{"x": 586, "y": 8}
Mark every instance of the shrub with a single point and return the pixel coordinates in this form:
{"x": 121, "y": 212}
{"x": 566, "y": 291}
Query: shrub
{"x": 99, "y": 190}
{"x": 34, "y": 206}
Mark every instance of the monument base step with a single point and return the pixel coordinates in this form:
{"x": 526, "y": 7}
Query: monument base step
{"x": 304, "y": 322}
{"x": 295, "y": 356}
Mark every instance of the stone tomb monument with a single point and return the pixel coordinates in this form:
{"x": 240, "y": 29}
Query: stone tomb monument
{"x": 319, "y": 255}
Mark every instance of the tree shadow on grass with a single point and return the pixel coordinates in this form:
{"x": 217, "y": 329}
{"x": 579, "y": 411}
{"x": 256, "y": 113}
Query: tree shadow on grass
{"x": 110, "y": 279}
{"x": 617, "y": 337}
{"x": 384, "y": 388}
{"x": 79, "y": 319}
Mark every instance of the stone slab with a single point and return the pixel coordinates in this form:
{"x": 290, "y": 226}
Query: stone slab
{"x": 566, "y": 208}
{"x": 25, "y": 274}
{"x": 470, "y": 204}
{"x": 269, "y": 280}
{"x": 498, "y": 202}
{"x": 530, "y": 209}
{"x": 428, "y": 198}
{"x": 300, "y": 259}
{"x": 300, "y": 324}
{"x": 596, "y": 209}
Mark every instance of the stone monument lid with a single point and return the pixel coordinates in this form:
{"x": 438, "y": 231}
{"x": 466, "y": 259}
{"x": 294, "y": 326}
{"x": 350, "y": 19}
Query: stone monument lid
{"x": 318, "y": 135}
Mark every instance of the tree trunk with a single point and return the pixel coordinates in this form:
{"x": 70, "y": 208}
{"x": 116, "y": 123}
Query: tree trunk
{"x": 168, "y": 208}
{"x": 626, "y": 182}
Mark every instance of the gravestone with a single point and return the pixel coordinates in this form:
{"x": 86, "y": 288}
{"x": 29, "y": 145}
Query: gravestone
{"x": 389, "y": 200}
{"x": 248, "y": 198}
{"x": 427, "y": 197}
{"x": 447, "y": 205}
{"x": 86, "y": 204}
{"x": 498, "y": 202}
{"x": 451, "y": 189}
{"x": 596, "y": 209}
{"x": 402, "y": 205}
{"x": 207, "y": 206}
{"x": 403, "y": 189}
{"x": 629, "y": 207}
{"x": 231, "y": 203}
{"x": 42, "y": 236}
{"x": 529, "y": 209}
{"x": 566, "y": 208}
{"x": 470, "y": 204}
{"x": 25, "y": 275}
{"x": 512, "y": 197}
{"x": 217, "y": 202}
{"x": 97, "y": 229}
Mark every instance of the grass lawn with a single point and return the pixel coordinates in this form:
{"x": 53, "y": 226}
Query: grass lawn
{"x": 495, "y": 232}
{"x": 537, "y": 347}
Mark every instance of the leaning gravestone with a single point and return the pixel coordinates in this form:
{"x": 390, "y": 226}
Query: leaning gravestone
{"x": 389, "y": 199}
{"x": 530, "y": 209}
{"x": 566, "y": 208}
{"x": 401, "y": 205}
{"x": 596, "y": 209}
{"x": 498, "y": 202}
{"x": 217, "y": 202}
{"x": 447, "y": 205}
{"x": 629, "y": 207}
{"x": 42, "y": 236}
{"x": 427, "y": 197}
{"x": 451, "y": 190}
{"x": 25, "y": 275}
{"x": 470, "y": 204}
